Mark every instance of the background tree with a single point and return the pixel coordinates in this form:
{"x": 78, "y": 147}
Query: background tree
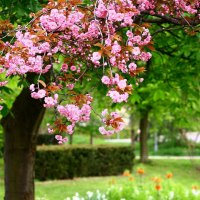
{"x": 170, "y": 90}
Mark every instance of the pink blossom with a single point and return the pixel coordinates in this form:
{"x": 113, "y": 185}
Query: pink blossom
{"x": 105, "y": 80}
{"x": 108, "y": 42}
{"x": 101, "y": 10}
{"x": 70, "y": 111}
{"x": 132, "y": 66}
{"x": 50, "y": 130}
{"x": 50, "y": 101}
{"x": 3, "y": 83}
{"x": 44, "y": 47}
{"x": 136, "y": 51}
{"x": 141, "y": 80}
{"x": 85, "y": 112}
{"x": 38, "y": 95}
{"x": 73, "y": 68}
{"x": 103, "y": 131}
{"x": 70, "y": 86}
{"x": 64, "y": 67}
{"x": 32, "y": 87}
{"x": 112, "y": 15}
{"x": 117, "y": 97}
{"x": 2, "y": 70}
{"x": 70, "y": 129}
{"x": 104, "y": 112}
{"x": 61, "y": 139}
{"x": 96, "y": 56}
{"x": 55, "y": 21}
{"x": 136, "y": 39}
{"x": 108, "y": 120}
{"x": 116, "y": 48}
{"x": 122, "y": 84}
{"x": 129, "y": 34}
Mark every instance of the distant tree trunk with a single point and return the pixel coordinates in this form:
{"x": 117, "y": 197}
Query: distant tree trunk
{"x": 132, "y": 130}
{"x": 156, "y": 142}
{"x": 91, "y": 138}
{"x": 144, "y": 137}
{"x": 132, "y": 137}
{"x": 71, "y": 139}
{"x": 21, "y": 129}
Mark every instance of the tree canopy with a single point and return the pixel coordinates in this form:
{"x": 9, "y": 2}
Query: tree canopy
{"x": 70, "y": 47}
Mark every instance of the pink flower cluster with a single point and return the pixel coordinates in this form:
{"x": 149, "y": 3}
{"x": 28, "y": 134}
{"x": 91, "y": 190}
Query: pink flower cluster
{"x": 3, "y": 83}
{"x": 50, "y": 101}
{"x": 169, "y": 8}
{"x": 96, "y": 56}
{"x": 30, "y": 60}
{"x": 113, "y": 123}
{"x": 114, "y": 14}
{"x": 39, "y": 94}
{"x": 117, "y": 97}
{"x": 70, "y": 40}
{"x": 187, "y": 7}
{"x": 61, "y": 139}
{"x": 74, "y": 114}
{"x": 57, "y": 20}
{"x": 117, "y": 94}
{"x": 139, "y": 40}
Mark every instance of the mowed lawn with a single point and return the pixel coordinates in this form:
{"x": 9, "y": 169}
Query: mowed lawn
{"x": 185, "y": 172}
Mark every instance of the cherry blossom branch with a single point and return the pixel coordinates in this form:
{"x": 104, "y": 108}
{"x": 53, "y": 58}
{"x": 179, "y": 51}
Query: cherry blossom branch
{"x": 173, "y": 20}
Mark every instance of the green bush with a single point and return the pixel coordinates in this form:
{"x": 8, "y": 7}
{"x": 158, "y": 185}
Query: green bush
{"x": 61, "y": 162}
{"x": 46, "y": 139}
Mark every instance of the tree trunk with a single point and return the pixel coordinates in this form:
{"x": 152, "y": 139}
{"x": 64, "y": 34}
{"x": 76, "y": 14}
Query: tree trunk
{"x": 132, "y": 130}
{"x": 144, "y": 137}
{"x": 71, "y": 139}
{"x": 20, "y": 129}
{"x": 91, "y": 138}
{"x": 132, "y": 138}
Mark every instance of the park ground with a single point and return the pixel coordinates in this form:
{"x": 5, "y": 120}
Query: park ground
{"x": 186, "y": 172}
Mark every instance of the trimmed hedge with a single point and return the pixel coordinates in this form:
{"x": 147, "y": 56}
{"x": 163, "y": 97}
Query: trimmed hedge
{"x": 61, "y": 162}
{"x": 47, "y": 139}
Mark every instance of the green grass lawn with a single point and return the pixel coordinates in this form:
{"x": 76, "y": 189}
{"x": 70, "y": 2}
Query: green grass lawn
{"x": 186, "y": 173}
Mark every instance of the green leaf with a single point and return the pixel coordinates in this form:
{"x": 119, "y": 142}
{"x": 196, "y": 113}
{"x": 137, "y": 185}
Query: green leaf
{"x": 5, "y": 110}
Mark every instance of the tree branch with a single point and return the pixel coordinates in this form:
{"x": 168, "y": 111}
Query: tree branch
{"x": 164, "y": 18}
{"x": 165, "y": 29}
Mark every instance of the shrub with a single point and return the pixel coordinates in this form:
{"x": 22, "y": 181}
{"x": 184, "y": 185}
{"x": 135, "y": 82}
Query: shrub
{"x": 62, "y": 162}
{"x": 46, "y": 139}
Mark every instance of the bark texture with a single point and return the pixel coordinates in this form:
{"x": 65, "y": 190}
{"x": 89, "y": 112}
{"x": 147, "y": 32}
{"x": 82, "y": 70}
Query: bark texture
{"x": 20, "y": 130}
{"x": 144, "y": 137}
